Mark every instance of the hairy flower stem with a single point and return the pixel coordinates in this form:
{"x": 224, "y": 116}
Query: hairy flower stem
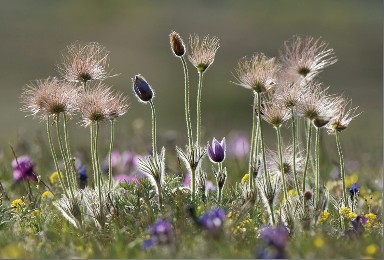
{"x": 193, "y": 184}
{"x": 154, "y": 147}
{"x": 67, "y": 170}
{"x": 342, "y": 168}
{"x": 294, "y": 151}
{"x": 252, "y": 151}
{"x": 97, "y": 166}
{"x": 266, "y": 174}
{"x": 219, "y": 189}
{"x": 317, "y": 196}
{"x": 55, "y": 158}
{"x": 95, "y": 175}
{"x": 281, "y": 163}
{"x": 160, "y": 194}
{"x": 68, "y": 150}
{"x": 306, "y": 158}
{"x": 198, "y": 128}
{"x": 187, "y": 111}
{"x": 110, "y": 155}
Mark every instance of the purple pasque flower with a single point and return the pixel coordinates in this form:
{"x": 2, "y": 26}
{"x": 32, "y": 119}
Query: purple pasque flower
{"x": 23, "y": 169}
{"x": 212, "y": 220}
{"x": 275, "y": 236}
{"x": 357, "y": 224}
{"x": 216, "y": 152}
{"x": 354, "y": 189}
{"x": 161, "y": 233}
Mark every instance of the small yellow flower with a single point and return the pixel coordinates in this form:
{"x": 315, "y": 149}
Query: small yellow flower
{"x": 245, "y": 178}
{"x": 18, "y": 203}
{"x": 46, "y": 195}
{"x": 35, "y": 213}
{"x": 318, "y": 242}
{"x": 370, "y": 216}
{"x": 352, "y": 215}
{"x": 324, "y": 216}
{"x": 349, "y": 180}
{"x": 371, "y": 249}
{"x": 54, "y": 178}
{"x": 292, "y": 192}
{"x": 345, "y": 212}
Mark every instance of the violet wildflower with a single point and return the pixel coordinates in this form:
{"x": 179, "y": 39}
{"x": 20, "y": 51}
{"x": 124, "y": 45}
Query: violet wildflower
{"x": 357, "y": 224}
{"x": 23, "y": 169}
{"x": 216, "y": 152}
{"x": 276, "y": 238}
{"x": 161, "y": 233}
{"x": 212, "y": 221}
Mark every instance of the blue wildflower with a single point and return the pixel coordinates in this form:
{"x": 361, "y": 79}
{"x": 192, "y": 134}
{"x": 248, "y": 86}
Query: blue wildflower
{"x": 354, "y": 189}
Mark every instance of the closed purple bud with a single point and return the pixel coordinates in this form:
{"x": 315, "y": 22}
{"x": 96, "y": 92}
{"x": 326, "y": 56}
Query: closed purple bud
{"x": 216, "y": 152}
{"x": 142, "y": 89}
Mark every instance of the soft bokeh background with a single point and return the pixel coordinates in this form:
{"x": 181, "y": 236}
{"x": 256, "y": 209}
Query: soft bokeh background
{"x": 34, "y": 33}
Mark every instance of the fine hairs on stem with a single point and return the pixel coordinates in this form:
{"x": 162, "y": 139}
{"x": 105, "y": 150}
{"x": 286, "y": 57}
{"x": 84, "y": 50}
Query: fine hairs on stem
{"x": 252, "y": 155}
{"x": 309, "y": 128}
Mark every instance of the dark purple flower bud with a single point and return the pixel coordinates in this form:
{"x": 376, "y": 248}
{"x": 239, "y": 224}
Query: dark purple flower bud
{"x": 161, "y": 233}
{"x": 357, "y": 224}
{"x": 216, "y": 152}
{"x": 354, "y": 189}
{"x": 275, "y": 236}
{"x": 213, "y": 220}
{"x": 142, "y": 89}
{"x": 82, "y": 175}
{"x": 23, "y": 169}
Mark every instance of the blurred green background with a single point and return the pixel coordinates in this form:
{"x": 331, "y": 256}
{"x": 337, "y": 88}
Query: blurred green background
{"x": 33, "y": 35}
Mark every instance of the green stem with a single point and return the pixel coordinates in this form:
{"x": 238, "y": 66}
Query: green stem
{"x": 271, "y": 214}
{"x": 98, "y": 166}
{"x": 193, "y": 184}
{"x": 317, "y": 196}
{"x": 252, "y": 151}
{"x": 219, "y": 189}
{"x": 199, "y": 90}
{"x": 281, "y": 163}
{"x": 187, "y": 111}
{"x": 154, "y": 147}
{"x": 342, "y": 168}
{"x": 294, "y": 152}
{"x": 266, "y": 175}
{"x": 110, "y": 155}
{"x": 55, "y": 158}
{"x": 160, "y": 194}
{"x": 95, "y": 176}
{"x": 68, "y": 150}
{"x": 63, "y": 154}
{"x": 309, "y": 128}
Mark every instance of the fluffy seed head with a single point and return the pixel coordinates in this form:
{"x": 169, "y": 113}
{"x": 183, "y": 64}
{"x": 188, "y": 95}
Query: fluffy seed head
{"x": 257, "y": 74}
{"x": 316, "y": 105}
{"x": 343, "y": 116}
{"x": 177, "y": 44}
{"x": 203, "y": 52}
{"x": 273, "y": 162}
{"x": 83, "y": 63}
{"x": 288, "y": 94}
{"x": 49, "y": 97}
{"x": 94, "y": 104}
{"x": 274, "y": 113}
{"x": 118, "y": 106}
{"x": 306, "y": 57}
{"x": 142, "y": 89}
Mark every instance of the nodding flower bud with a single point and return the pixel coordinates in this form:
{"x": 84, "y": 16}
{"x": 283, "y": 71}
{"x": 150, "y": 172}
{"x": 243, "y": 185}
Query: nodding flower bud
{"x": 177, "y": 44}
{"x": 307, "y": 195}
{"x": 142, "y": 89}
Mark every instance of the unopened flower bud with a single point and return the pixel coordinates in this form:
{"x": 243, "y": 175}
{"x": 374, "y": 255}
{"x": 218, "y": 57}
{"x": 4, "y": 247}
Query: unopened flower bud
{"x": 177, "y": 44}
{"x": 142, "y": 89}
